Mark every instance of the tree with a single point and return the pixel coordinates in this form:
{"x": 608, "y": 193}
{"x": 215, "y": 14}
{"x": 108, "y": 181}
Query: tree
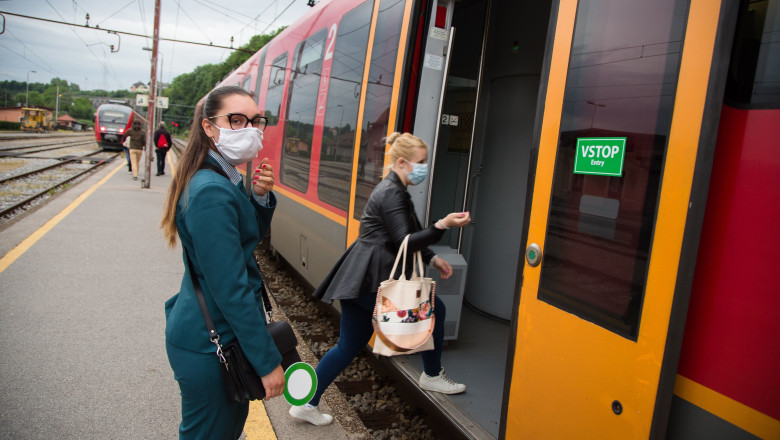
{"x": 81, "y": 108}
{"x": 187, "y": 89}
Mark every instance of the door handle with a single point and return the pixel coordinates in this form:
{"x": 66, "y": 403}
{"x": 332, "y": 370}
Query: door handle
{"x": 533, "y": 255}
{"x": 472, "y": 188}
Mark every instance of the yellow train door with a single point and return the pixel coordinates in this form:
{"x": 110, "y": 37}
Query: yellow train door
{"x": 630, "y": 99}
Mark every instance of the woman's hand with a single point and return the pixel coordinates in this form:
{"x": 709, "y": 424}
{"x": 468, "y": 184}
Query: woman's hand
{"x": 273, "y": 383}
{"x": 445, "y": 270}
{"x": 456, "y": 219}
{"x": 263, "y": 178}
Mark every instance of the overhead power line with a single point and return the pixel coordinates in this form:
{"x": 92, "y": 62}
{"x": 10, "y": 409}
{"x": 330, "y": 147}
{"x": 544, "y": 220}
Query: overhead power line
{"x": 106, "y": 64}
{"x": 132, "y": 34}
{"x": 275, "y": 18}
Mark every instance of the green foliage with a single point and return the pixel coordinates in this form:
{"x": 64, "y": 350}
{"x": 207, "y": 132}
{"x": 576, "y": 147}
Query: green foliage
{"x": 81, "y": 109}
{"x": 5, "y": 125}
{"x": 185, "y": 90}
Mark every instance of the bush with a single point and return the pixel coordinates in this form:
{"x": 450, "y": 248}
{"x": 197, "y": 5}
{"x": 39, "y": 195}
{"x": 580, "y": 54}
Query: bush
{"x": 6, "y": 125}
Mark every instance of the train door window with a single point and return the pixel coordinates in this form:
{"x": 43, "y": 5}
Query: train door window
{"x": 621, "y": 82}
{"x": 260, "y": 68}
{"x": 273, "y": 98}
{"x": 755, "y": 79}
{"x": 379, "y": 90}
{"x": 301, "y": 109}
{"x": 338, "y": 136}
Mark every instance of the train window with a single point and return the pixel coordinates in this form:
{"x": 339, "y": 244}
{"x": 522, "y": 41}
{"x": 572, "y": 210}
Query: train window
{"x": 621, "y": 82}
{"x": 754, "y": 74}
{"x": 260, "y": 68}
{"x": 273, "y": 98}
{"x": 338, "y": 136}
{"x": 301, "y": 109}
{"x": 378, "y": 94}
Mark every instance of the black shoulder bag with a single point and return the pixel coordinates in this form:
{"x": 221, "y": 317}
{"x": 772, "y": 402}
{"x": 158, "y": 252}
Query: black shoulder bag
{"x": 241, "y": 382}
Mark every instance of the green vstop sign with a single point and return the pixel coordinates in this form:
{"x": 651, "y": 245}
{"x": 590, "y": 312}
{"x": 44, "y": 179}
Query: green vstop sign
{"x": 600, "y": 156}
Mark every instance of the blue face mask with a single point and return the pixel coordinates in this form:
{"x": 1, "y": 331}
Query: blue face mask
{"x": 419, "y": 172}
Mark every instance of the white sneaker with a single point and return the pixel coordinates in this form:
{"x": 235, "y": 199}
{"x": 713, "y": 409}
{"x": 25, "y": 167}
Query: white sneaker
{"x": 441, "y": 384}
{"x": 311, "y": 415}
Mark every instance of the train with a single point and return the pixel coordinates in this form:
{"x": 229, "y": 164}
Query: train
{"x": 112, "y": 120}
{"x": 620, "y": 162}
{"x": 35, "y": 119}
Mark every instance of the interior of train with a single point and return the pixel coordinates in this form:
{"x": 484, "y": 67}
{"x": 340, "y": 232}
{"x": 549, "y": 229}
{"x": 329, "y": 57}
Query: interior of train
{"x": 482, "y": 143}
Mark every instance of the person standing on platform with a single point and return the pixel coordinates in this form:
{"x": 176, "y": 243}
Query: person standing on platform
{"x": 126, "y": 148}
{"x": 137, "y": 143}
{"x": 387, "y": 219}
{"x": 219, "y": 226}
{"x": 162, "y": 139}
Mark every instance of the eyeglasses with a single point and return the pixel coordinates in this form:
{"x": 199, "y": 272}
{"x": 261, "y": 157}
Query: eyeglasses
{"x": 239, "y": 120}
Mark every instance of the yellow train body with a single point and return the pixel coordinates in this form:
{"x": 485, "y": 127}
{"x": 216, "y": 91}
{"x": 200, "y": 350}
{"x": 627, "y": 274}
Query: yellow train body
{"x": 35, "y": 119}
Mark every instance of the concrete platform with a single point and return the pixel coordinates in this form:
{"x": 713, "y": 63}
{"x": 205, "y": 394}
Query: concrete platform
{"x": 83, "y": 280}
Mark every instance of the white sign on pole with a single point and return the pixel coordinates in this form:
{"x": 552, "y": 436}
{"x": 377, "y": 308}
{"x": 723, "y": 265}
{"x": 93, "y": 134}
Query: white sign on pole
{"x": 162, "y": 102}
{"x": 142, "y": 100}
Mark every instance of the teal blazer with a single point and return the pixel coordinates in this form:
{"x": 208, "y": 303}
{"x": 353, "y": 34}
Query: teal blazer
{"x": 220, "y": 227}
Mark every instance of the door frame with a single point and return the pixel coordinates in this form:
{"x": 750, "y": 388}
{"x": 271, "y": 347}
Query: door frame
{"x": 708, "y": 37}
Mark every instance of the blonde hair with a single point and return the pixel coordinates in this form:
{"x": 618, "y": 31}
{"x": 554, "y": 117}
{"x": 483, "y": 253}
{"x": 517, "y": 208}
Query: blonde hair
{"x": 403, "y": 146}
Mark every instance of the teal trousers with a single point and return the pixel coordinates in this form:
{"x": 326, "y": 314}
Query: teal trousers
{"x": 205, "y": 412}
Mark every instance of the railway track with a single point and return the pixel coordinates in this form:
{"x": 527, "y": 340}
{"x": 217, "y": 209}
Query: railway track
{"x": 24, "y": 150}
{"x": 23, "y": 194}
{"x": 29, "y": 180}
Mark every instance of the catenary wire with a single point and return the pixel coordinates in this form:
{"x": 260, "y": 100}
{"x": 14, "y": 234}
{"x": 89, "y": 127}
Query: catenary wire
{"x": 103, "y": 63}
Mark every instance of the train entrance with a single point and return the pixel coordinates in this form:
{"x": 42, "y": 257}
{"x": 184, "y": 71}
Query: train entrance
{"x": 476, "y": 108}
{"x": 481, "y": 137}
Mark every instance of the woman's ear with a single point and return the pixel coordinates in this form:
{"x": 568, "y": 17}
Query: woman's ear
{"x": 209, "y": 129}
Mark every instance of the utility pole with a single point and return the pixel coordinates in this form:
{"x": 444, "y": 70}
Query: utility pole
{"x": 27, "y": 90}
{"x": 145, "y": 183}
{"x": 57, "y": 107}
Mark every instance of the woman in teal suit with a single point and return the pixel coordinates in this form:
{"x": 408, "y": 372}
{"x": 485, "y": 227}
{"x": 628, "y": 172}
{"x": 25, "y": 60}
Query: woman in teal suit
{"x": 219, "y": 227}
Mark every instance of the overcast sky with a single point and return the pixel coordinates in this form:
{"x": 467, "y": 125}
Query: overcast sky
{"x": 83, "y": 56}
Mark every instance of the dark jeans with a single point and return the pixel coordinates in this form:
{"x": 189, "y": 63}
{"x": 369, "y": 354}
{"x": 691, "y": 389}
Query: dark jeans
{"x": 356, "y": 330}
{"x": 161, "y": 152}
{"x": 127, "y": 155}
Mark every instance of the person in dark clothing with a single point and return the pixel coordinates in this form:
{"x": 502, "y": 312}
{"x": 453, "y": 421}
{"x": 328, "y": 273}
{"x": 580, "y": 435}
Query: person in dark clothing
{"x": 387, "y": 219}
{"x": 162, "y": 142}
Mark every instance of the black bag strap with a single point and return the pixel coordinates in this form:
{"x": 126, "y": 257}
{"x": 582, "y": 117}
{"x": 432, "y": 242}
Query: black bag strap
{"x": 206, "y": 165}
{"x": 204, "y": 310}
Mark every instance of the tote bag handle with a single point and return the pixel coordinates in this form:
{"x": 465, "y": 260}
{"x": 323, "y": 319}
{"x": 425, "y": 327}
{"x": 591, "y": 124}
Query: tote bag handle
{"x": 401, "y": 250}
{"x": 416, "y": 262}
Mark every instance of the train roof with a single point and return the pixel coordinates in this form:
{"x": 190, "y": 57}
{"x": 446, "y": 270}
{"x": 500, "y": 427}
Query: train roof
{"x": 115, "y": 106}
{"x": 295, "y": 27}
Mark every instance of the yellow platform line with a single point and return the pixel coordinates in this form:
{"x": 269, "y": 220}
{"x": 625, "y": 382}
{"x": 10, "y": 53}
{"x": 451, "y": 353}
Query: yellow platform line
{"x": 28, "y": 242}
{"x": 258, "y": 425}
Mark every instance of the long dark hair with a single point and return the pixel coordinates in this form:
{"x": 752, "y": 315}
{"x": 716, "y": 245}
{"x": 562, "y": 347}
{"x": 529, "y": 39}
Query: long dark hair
{"x": 197, "y": 148}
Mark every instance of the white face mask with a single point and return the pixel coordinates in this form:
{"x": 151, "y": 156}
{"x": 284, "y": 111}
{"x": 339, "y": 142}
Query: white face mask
{"x": 239, "y": 146}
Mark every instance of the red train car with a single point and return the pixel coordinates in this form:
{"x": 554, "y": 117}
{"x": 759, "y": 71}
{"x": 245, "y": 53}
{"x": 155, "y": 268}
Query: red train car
{"x": 112, "y": 120}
